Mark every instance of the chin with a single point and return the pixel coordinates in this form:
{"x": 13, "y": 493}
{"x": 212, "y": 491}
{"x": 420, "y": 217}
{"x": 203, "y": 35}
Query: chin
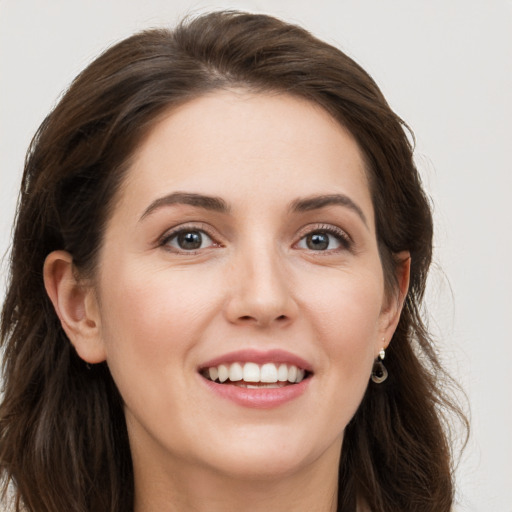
{"x": 263, "y": 467}
{"x": 270, "y": 456}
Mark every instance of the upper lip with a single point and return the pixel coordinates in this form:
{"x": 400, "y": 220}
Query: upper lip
{"x": 259, "y": 357}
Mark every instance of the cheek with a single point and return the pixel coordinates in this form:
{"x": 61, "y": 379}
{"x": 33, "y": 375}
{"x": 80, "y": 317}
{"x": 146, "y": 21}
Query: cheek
{"x": 152, "y": 322}
{"x": 348, "y": 304}
{"x": 346, "y": 312}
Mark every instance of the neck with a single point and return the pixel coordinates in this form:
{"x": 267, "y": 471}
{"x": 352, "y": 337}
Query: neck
{"x": 188, "y": 488}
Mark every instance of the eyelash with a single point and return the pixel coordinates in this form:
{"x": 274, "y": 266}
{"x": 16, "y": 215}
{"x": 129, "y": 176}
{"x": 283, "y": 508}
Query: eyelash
{"x": 170, "y": 235}
{"x": 341, "y": 236}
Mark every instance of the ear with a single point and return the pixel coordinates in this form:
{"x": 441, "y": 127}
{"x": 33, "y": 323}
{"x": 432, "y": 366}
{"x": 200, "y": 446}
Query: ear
{"x": 76, "y": 306}
{"x": 393, "y": 304}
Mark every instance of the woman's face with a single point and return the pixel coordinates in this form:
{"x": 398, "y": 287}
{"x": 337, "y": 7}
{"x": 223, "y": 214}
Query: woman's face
{"x": 243, "y": 246}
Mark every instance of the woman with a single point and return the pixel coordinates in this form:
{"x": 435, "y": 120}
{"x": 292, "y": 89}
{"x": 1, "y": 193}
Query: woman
{"x": 221, "y": 235}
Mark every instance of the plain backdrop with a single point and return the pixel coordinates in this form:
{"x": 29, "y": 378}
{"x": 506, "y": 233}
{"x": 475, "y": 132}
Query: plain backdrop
{"x": 445, "y": 66}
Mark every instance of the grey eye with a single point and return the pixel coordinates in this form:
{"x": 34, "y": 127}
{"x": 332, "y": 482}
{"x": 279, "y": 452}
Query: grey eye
{"x": 189, "y": 240}
{"x": 319, "y": 241}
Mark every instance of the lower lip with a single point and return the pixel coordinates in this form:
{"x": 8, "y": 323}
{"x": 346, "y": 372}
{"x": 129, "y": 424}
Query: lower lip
{"x": 265, "y": 398}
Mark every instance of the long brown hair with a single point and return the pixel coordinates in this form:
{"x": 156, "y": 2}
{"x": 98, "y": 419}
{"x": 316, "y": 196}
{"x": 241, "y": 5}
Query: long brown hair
{"x": 63, "y": 438}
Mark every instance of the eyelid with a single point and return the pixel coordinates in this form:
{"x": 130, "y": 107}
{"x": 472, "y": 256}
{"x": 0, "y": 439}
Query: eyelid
{"x": 331, "y": 229}
{"x": 345, "y": 239}
{"x": 187, "y": 226}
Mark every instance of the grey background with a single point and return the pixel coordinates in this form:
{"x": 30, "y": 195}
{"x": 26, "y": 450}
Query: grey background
{"x": 445, "y": 67}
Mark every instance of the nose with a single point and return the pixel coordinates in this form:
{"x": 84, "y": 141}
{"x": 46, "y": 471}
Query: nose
{"x": 261, "y": 291}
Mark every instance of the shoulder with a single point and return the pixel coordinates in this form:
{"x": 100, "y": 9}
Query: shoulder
{"x": 8, "y": 501}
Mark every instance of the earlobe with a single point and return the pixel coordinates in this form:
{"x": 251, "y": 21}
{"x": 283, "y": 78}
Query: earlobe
{"x": 75, "y": 305}
{"x": 391, "y": 313}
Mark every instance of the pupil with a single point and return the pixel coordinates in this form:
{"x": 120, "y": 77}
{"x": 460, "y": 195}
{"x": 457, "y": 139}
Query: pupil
{"x": 190, "y": 240}
{"x": 318, "y": 241}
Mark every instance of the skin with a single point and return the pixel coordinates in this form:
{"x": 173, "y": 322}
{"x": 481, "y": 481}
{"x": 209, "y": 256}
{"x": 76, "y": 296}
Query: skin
{"x": 156, "y": 312}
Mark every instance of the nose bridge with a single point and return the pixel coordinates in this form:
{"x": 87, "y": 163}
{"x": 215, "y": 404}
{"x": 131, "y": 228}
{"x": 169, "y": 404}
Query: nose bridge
{"x": 261, "y": 292}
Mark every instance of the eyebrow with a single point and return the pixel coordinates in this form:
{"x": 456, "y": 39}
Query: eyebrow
{"x": 316, "y": 202}
{"x": 218, "y": 204}
{"x": 206, "y": 202}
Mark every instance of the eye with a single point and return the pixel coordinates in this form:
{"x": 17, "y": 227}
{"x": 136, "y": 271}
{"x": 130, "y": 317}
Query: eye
{"x": 188, "y": 240}
{"x": 326, "y": 239}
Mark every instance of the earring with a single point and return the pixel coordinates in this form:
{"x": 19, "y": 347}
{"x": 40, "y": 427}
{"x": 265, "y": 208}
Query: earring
{"x": 379, "y": 371}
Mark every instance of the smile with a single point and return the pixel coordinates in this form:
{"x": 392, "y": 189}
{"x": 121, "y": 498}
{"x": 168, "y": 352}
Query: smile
{"x": 257, "y": 379}
{"x": 255, "y": 376}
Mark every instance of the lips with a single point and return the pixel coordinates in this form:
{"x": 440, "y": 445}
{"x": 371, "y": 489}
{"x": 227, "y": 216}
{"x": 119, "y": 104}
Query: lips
{"x": 257, "y": 379}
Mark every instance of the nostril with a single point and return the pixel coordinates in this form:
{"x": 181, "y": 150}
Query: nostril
{"x": 250, "y": 318}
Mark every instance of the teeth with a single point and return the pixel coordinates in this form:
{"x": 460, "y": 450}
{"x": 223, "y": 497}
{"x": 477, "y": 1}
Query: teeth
{"x": 213, "y": 372}
{"x": 251, "y": 372}
{"x": 282, "y": 373}
{"x": 271, "y": 385}
{"x": 223, "y": 372}
{"x": 268, "y": 373}
{"x": 235, "y": 372}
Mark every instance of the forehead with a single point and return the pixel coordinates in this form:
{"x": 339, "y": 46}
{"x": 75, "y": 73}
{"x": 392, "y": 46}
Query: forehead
{"x": 245, "y": 146}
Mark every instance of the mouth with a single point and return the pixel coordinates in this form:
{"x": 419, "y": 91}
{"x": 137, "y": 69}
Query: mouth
{"x": 258, "y": 379}
{"x": 252, "y": 375}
